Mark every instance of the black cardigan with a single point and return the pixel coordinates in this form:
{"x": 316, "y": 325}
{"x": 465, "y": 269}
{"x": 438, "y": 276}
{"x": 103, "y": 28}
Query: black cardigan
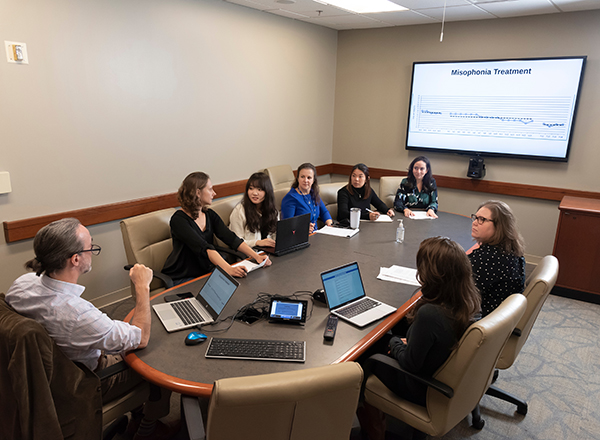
{"x": 345, "y": 201}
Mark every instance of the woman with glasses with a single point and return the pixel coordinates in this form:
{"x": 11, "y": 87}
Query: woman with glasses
{"x": 255, "y": 218}
{"x": 418, "y": 190}
{"x": 497, "y": 257}
{"x": 192, "y": 230}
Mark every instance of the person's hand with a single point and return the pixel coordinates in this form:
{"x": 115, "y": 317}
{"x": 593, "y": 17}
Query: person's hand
{"x": 408, "y": 212}
{"x": 431, "y": 213}
{"x": 140, "y": 275}
{"x": 403, "y": 340}
{"x": 391, "y": 212}
{"x": 311, "y": 228}
{"x": 263, "y": 257}
{"x": 373, "y": 216}
{"x": 266, "y": 242}
{"x": 237, "y": 271}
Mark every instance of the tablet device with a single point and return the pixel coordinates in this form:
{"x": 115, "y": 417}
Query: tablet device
{"x": 288, "y": 310}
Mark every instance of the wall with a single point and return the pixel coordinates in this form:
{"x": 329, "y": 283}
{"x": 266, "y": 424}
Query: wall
{"x": 373, "y": 86}
{"x": 122, "y": 99}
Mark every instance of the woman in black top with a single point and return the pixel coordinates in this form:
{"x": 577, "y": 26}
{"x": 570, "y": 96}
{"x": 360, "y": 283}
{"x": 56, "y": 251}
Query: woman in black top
{"x": 359, "y": 194}
{"x": 192, "y": 229}
{"x": 448, "y": 306}
{"x": 497, "y": 258}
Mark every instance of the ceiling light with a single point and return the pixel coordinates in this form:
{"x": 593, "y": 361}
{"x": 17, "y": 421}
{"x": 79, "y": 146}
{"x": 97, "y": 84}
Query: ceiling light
{"x": 365, "y": 6}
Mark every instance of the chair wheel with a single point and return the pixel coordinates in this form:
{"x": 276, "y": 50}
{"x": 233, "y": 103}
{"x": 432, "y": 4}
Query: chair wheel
{"x": 479, "y": 423}
{"x": 522, "y": 409}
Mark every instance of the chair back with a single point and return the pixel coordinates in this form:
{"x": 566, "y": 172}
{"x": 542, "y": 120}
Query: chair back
{"x": 470, "y": 367}
{"x": 45, "y": 395}
{"x": 388, "y": 185}
{"x": 223, "y": 208}
{"x": 147, "y": 240}
{"x": 281, "y": 177}
{"x": 537, "y": 288}
{"x": 328, "y": 192}
{"x": 279, "y": 195}
{"x": 316, "y": 403}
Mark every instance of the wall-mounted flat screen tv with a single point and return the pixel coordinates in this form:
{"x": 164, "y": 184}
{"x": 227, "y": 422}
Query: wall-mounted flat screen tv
{"x": 511, "y": 108}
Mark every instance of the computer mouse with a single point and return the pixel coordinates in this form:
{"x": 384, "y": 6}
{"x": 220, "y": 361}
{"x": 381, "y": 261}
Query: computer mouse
{"x": 194, "y": 338}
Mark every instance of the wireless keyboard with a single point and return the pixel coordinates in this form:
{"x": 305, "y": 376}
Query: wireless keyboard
{"x": 257, "y": 349}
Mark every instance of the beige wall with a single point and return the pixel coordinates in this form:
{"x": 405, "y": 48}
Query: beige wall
{"x": 122, "y": 99}
{"x": 371, "y": 103}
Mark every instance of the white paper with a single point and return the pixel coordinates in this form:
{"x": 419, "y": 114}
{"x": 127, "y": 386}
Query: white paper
{"x": 399, "y": 274}
{"x": 420, "y": 215}
{"x": 249, "y": 265}
{"x": 384, "y": 218}
{"x": 337, "y": 232}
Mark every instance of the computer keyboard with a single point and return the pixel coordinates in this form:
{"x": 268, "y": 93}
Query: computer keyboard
{"x": 187, "y": 312}
{"x": 357, "y": 308}
{"x": 257, "y": 349}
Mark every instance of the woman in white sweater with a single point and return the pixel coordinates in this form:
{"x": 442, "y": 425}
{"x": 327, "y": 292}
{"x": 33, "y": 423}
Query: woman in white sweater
{"x": 255, "y": 218}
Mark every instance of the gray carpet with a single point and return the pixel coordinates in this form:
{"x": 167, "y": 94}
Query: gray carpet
{"x": 557, "y": 372}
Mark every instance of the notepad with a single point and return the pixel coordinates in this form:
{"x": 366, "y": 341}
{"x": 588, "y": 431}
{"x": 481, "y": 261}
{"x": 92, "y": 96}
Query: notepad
{"x": 337, "y": 232}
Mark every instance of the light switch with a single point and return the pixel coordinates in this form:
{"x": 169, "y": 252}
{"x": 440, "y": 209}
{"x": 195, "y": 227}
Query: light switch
{"x": 5, "y": 182}
{"x": 16, "y": 52}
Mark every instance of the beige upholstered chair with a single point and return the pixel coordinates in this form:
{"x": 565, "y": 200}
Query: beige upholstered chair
{"x": 537, "y": 288}
{"x": 223, "y": 207}
{"x": 458, "y": 385}
{"x": 147, "y": 240}
{"x": 316, "y": 403}
{"x": 388, "y": 185}
{"x": 279, "y": 195}
{"x": 281, "y": 176}
{"x": 328, "y": 193}
{"x": 45, "y": 395}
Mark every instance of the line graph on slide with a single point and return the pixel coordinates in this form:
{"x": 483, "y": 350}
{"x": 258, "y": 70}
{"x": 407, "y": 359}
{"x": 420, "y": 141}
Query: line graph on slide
{"x": 493, "y": 116}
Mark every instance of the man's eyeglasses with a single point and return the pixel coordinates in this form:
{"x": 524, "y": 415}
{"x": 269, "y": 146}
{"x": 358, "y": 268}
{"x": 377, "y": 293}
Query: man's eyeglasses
{"x": 480, "y": 220}
{"x": 95, "y": 250}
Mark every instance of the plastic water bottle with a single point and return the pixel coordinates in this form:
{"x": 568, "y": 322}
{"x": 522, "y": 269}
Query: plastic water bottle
{"x": 400, "y": 232}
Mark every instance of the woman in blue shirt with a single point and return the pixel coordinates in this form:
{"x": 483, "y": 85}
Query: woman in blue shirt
{"x": 303, "y": 198}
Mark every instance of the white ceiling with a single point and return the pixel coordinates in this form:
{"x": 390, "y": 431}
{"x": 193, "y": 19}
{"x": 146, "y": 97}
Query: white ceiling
{"x": 420, "y": 11}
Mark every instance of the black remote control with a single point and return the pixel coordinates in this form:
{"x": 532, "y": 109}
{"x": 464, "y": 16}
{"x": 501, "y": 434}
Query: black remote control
{"x": 330, "y": 328}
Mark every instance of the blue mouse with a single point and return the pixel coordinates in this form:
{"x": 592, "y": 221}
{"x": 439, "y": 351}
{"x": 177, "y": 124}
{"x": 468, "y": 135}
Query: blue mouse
{"x": 194, "y": 338}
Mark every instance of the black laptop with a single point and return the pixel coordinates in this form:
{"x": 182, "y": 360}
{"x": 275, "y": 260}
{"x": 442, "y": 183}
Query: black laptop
{"x": 292, "y": 235}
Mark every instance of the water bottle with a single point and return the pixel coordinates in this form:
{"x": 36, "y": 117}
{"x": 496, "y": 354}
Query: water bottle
{"x": 400, "y": 232}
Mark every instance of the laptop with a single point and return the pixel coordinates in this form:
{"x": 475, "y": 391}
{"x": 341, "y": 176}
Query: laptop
{"x": 292, "y": 235}
{"x": 204, "y": 308}
{"x": 346, "y": 298}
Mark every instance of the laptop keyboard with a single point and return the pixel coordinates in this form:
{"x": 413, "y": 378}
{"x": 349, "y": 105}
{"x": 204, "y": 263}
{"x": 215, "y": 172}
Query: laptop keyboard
{"x": 257, "y": 349}
{"x": 357, "y": 308}
{"x": 187, "y": 312}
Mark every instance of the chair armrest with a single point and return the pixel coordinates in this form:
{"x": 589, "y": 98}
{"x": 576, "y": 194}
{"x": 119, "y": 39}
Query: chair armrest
{"x": 429, "y": 381}
{"x": 112, "y": 370}
{"x": 166, "y": 279}
{"x": 190, "y": 409}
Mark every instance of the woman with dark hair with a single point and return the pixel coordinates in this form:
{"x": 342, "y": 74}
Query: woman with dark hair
{"x": 255, "y": 218}
{"x": 418, "y": 190}
{"x": 303, "y": 198}
{"x": 359, "y": 194}
{"x": 192, "y": 231}
{"x": 497, "y": 257}
{"x": 447, "y": 307}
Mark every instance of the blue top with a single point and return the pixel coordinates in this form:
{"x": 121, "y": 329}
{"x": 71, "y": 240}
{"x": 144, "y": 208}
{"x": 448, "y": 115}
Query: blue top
{"x": 294, "y": 204}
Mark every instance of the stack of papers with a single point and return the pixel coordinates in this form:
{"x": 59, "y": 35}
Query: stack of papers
{"x": 382, "y": 218}
{"x": 420, "y": 215}
{"x": 337, "y": 232}
{"x": 249, "y": 265}
{"x": 399, "y": 274}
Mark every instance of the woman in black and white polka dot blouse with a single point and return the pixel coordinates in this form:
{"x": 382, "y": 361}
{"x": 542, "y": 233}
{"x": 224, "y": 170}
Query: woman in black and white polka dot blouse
{"x": 497, "y": 258}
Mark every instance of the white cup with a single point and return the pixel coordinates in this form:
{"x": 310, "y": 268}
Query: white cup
{"x": 354, "y": 217}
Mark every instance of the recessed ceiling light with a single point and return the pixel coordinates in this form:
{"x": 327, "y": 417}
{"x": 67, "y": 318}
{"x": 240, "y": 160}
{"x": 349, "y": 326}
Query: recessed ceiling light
{"x": 286, "y": 2}
{"x": 364, "y": 6}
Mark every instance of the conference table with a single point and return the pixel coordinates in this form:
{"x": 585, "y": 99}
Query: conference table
{"x": 171, "y": 364}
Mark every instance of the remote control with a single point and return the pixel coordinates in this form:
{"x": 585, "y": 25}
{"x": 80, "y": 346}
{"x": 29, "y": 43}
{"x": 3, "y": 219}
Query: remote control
{"x": 330, "y": 328}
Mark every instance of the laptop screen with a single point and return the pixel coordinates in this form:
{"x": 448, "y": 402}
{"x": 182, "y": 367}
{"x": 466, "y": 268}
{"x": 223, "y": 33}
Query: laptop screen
{"x": 342, "y": 285}
{"x": 217, "y": 291}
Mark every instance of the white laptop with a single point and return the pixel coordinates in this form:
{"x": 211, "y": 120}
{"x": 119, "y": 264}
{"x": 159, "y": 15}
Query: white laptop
{"x": 346, "y": 296}
{"x": 204, "y": 308}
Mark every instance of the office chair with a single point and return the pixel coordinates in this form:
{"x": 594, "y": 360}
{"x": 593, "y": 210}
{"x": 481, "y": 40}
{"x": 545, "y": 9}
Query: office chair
{"x": 281, "y": 176}
{"x": 223, "y": 208}
{"x": 328, "y": 192}
{"x": 45, "y": 395}
{"x": 537, "y": 288}
{"x": 457, "y": 386}
{"x": 388, "y": 185}
{"x": 316, "y": 403}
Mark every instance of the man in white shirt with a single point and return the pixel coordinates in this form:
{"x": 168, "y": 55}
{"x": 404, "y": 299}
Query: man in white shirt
{"x": 52, "y": 297}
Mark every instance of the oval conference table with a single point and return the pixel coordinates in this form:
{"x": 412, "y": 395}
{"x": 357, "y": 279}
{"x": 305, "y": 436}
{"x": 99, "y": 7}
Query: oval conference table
{"x": 169, "y": 363}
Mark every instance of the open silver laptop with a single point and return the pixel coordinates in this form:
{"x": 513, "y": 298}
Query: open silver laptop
{"x": 204, "y": 308}
{"x": 346, "y": 296}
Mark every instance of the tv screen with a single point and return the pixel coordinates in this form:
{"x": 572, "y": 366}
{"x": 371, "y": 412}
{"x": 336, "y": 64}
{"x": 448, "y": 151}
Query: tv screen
{"x": 512, "y": 108}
